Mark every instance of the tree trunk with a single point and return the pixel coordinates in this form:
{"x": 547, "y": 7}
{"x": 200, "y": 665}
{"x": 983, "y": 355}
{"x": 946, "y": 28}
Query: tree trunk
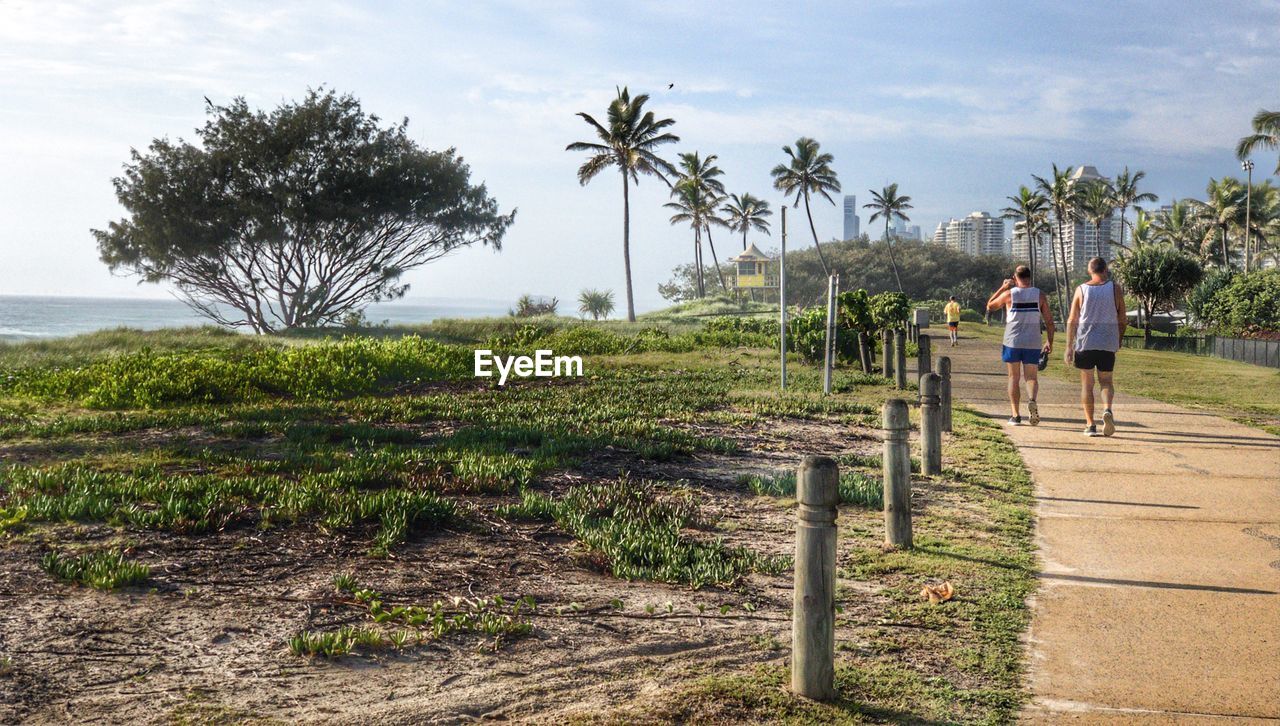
{"x": 697, "y": 261}
{"x": 1057, "y": 282}
{"x": 719, "y": 273}
{"x": 893, "y": 262}
{"x": 1122, "y": 211}
{"x": 626, "y": 245}
{"x": 1146, "y": 327}
{"x": 744, "y": 239}
{"x": 1226, "y": 260}
{"x": 814, "y": 232}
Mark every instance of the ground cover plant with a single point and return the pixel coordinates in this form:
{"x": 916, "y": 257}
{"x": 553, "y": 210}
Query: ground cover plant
{"x": 645, "y": 508}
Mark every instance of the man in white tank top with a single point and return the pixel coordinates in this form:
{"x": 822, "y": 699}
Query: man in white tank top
{"x": 1097, "y": 323}
{"x": 1027, "y": 309}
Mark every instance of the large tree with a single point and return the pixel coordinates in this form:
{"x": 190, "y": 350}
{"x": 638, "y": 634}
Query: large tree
{"x": 702, "y": 174}
{"x": 746, "y": 212}
{"x": 1125, "y": 194}
{"x": 890, "y": 205}
{"x": 1061, "y": 194}
{"x": 1097, "y": 202}
{"x": 697, "y": 208}
{"x": 807, "y": 172}
{"x": 1222, "y": 209}
{"x": 1159, "y": 276}
{"x": 1032, "y": 209}
{"x": 1266, "y": 135}
{"x": 628, "y": 141}
{"x": 295, "y": 217}
{"x": 1180, "y": 227}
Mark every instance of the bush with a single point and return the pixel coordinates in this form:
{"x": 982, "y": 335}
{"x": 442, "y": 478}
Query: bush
{"x": 1249, "y": 305}
{"x": 1200, "y": 299}
{"x": 530, "y": 307}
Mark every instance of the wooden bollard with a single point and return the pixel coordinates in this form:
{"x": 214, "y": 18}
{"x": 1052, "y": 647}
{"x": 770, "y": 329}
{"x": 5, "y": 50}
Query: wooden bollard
{"x": 887, "y": 369}
{"x": 813, "y": 634}
{"x": 900, "y": 359}
{"x": 944, "y": 370}
{"x": 930, "y": 424}
{"x": 897, "y": 473}
{"x": 924, "y": 361}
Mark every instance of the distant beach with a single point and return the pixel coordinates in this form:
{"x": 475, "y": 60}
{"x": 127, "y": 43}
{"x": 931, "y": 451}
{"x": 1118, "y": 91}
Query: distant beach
{"x": 24, "y": 317}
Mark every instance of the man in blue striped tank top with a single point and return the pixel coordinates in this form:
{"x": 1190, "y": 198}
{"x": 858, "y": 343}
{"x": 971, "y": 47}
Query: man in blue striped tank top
{"x": 1094, "y": 330}
{"x": 1027, "y": 308}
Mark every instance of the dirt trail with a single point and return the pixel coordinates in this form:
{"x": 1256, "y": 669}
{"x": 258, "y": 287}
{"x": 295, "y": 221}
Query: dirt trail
{"x": 1160, "y": 549}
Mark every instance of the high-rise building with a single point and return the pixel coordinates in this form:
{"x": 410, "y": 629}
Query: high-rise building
{"x": 1080, "y": 239}
{"x": 912, "y": 232}
{"x": 977, "y": 234}
{"x": 1022, "y": 248}
{"x": 851, "y": 221}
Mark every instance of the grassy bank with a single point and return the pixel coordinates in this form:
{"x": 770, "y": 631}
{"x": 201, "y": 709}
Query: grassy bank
{"x": 645, "y": 505}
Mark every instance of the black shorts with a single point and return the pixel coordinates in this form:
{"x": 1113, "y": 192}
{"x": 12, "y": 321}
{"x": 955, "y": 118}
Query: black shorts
{"x": 1103, "y": 360}
{"x": 953, "y": 326}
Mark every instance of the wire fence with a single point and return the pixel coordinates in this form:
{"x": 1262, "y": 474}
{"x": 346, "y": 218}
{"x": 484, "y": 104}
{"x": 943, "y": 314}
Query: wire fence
{"x": 1244, "y": 350}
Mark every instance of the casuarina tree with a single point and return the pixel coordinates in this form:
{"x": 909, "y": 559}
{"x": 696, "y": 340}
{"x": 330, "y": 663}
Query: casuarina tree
{"x": 295, "y": 217}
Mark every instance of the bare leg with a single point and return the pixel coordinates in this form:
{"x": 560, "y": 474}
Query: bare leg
{"x": 1086, "y": 395}
{"x": 1015, "y": 385}
{"x": 1032, "y": 374}
{"x": 1106, "y": 383}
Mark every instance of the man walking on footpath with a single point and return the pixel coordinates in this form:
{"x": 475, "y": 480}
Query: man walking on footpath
{"x": 1027, "y": 307}
{"x": 1094, "y": 330}
{"x": 952, "y": 312}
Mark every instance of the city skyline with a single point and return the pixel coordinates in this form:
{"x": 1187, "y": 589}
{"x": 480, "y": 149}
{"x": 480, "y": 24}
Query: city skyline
{"x": 501, "y": 82}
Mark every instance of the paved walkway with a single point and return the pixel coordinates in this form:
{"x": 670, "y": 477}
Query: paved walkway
{"x": 1160, "y": 591}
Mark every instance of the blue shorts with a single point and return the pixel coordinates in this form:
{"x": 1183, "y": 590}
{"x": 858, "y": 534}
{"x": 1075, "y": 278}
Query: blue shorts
{"x": 1028, "y": 356}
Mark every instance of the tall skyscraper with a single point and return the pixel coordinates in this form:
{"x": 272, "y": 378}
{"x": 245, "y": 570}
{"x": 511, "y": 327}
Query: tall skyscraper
{"x": 977, "y": 234}
{"x": 851, "y": 221}
{"x": 1080, "y": 239}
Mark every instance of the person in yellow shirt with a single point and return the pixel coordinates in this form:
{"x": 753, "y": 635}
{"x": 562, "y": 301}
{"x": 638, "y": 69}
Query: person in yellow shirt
{"x": 952, "y": 311}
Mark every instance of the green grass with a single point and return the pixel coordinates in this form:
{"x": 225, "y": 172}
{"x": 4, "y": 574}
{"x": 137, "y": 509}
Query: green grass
{"x": 104, "y": 570}
{"x": 634, "y": 530}
{"x": 855, "y": 488}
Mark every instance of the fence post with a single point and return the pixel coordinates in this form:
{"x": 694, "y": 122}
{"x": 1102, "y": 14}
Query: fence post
{"x": 813, "y": 636}
{"x": 887, "y": 368}
{"x": 944, "y": 370}
{"x": 829, "y": 358}
{"x": 924, "y": 363}
{"x": 930, "y": 425}
{"x": 864, "y": 351}
{"x": 900, "y": 358}
{"x": 897, "y": 474}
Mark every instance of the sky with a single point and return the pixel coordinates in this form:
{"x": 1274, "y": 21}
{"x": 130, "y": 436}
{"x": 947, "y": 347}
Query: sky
{"x": 957, "y": 102}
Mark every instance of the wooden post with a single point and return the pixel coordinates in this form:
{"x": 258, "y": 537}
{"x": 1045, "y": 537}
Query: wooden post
{"x": 887, "y": 368}
{"x": 900, "y": 359}
{"x": 944, "y": 370}
{"x": 864, "y": 352}
{"x": 897, "y": 473}
{"x": 924, "y": 363}
{"x": 930, "y": 424}
{"x": 782, "y": 300}
{"x": 813, "y": 635}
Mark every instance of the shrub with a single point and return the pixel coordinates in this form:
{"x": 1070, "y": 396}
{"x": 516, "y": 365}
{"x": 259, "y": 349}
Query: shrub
{"x": 99, "y": 570}
{"x": 528, "y": 306}
{"x": 1249, "y": 305}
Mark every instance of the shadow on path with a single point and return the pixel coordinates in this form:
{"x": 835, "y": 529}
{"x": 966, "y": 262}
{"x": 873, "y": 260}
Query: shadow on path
{"x": 1158, "y": 585}
{"x": 1115, "y": 501}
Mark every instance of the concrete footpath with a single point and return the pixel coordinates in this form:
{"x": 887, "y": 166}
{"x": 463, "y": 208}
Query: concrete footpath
{"x": 1159, "y": 598}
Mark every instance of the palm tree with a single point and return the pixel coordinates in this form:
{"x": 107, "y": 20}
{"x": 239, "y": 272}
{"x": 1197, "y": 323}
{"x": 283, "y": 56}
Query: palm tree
{"x": 702, "y": 174}
{"x": 698, "y": 208}
{"x": 807, "y": 172}
{"x": 1097, "y": 202}
{"x": 1180, "y": 228}
{"x": 1222, "y": 209}
{"x": 596, "y": 303}
{"x": 889, "y": 205}
{"x": 1061, "y": 195}
{"x": 1266, "y": 134}
{"x": 1144, "y": 230}
{"x": 1033, "y": 210}
{"x": 1126, "y": 194}
{"x": 628, "y": 142}
{"x": 745, "y": 213}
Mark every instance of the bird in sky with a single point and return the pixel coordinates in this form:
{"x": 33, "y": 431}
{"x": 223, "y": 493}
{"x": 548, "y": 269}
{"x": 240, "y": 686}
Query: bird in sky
{"x": 670, "y": 86}
{"x": 206, "y": 100}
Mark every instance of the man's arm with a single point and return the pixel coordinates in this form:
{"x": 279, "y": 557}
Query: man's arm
{"x": 1047, "y": 316}
{"x": 1073, "y": 322}
{"x": 1122, "y": 315}
{"x": 999, "y": 298}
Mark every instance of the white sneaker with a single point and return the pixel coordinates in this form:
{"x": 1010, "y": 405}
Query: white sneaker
{"x": 1108, "y": 423}
{"x": 1035, "y": 413}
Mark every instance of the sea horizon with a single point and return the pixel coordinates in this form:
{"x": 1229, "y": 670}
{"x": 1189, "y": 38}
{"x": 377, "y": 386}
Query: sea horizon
{"x": 39, "y": 317}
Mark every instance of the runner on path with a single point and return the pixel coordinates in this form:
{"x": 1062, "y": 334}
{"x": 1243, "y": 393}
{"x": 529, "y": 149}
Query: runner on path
{"x": 1094, "y": 330}
{"x": 952, "y": 311}
{"x": 1027, "y": 307}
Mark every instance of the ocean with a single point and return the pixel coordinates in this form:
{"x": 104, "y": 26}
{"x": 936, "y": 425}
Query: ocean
{"x": 34, "y": 317}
